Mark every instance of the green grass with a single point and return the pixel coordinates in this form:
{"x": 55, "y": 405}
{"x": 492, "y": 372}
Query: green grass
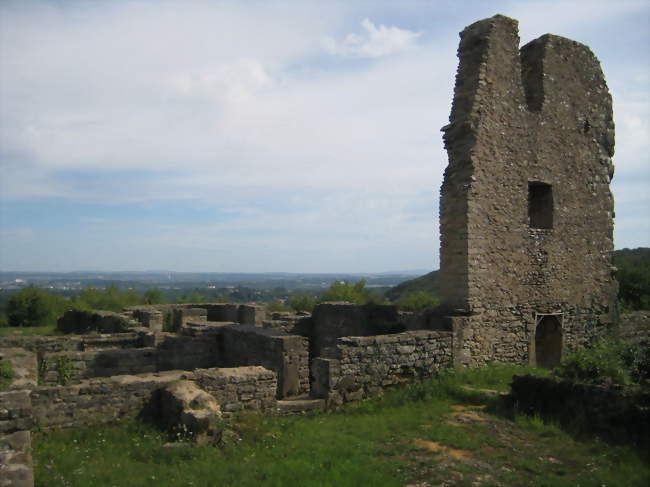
{"x": 386, "y": 441}
{"x": 7, "y": 331}
{"x": 6, "y": 374}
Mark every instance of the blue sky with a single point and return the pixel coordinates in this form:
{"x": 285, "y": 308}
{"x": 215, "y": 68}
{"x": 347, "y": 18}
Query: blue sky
{"x": 260, "y": 136}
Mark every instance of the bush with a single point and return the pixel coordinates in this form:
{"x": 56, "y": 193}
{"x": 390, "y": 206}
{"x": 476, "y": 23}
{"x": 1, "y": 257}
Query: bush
{"x": 637, "y": 360}
{"x": 277, "y": 307}
{"x": 302, "y": 302}
{"x": 610, "y": 362}
{"x": 6, "y": 374}
{"x": 154, "y": 296}
{"x": 417, "y": 301}
{"x": 33, "y": 306}
{"x": 345, "y": 291}
{"x": 110, "y": 299}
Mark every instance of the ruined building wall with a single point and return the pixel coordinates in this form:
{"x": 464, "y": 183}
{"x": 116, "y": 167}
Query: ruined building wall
{"x": 530, "y": 124}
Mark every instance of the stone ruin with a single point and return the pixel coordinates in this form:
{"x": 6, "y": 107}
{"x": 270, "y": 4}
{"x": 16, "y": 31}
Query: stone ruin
{"x": 526, "y": 242}
{"x": 526, "y": 210}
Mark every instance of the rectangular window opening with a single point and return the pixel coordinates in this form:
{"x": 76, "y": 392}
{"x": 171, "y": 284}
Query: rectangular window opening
{"x": 540, "y": 205}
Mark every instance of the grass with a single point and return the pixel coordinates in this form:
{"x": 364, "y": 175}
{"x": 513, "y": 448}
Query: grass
{"x": 6, "y": 374}
{"x": 7, "y": 331}
{"x": 428, "y": 433}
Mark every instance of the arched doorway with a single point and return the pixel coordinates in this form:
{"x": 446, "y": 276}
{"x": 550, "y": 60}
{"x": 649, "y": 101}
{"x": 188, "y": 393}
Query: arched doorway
{"x": 548, "y": 341}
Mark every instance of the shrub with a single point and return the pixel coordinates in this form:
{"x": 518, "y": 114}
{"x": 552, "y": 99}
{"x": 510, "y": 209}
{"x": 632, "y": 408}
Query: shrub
{"x": 33, "y": 306}
{"x": 417, "y": 301}
{"x": 302, "y": 302}
{"x": 345, "y": 291}
{"x": 611, "y": 361}
{"x": 6, "y": 374}
{"x": 277, "y": 307}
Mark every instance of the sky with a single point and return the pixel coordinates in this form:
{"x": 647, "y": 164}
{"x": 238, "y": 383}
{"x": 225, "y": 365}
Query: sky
{"x": 263, "y": 136}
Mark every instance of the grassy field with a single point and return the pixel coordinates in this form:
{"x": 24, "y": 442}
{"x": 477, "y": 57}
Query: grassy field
{"x": 439, "y": 433}
{"x": 6, "y": 331}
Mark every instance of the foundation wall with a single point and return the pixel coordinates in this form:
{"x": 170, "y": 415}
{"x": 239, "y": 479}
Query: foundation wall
{"x": 362, "y": 366}
{"x": 106, "y": 400}
{"x": 286, "y": 355}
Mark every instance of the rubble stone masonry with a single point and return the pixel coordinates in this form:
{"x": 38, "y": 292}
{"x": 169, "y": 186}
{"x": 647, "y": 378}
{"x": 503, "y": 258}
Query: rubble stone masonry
{"x": 526, "y": 210}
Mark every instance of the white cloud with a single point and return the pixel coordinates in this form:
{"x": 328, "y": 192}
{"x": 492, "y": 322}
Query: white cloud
{"x": 234, "y": 106}
{"x": 374, "y": 42}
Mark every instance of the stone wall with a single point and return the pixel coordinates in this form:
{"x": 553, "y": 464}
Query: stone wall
{"x": 177, "y": 314}
{"x": 171, "y": 352}
{"x": 362, "y": 366}
{"x": 51, "y": 344}
{"x": 330, "y": 321}
{"x": 78, "y": 321}
{"x": 16, "y": 421}
{"x": 251, "y": 387}
{"x": 286, "y": 355}
{"x": 105, "y": 400}
{"x": 526, "y": 210}
{"x": 634, "y": 327}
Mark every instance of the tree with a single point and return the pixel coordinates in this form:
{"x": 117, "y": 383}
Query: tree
{"x": 417, "y": 301}
{"x": 345, "y": 291}
{"x": 302, "y": 302}
{"x": 154, "y": 296}
{"x": 32, "y": 306}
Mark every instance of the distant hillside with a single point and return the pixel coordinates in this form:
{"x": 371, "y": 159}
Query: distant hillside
{"x": 427, "y": 283}
{"x": 634, "y": 257}
{"x": 633, "y": 276}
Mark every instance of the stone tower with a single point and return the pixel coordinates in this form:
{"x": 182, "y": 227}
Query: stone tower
{"x": 526, "y": 210}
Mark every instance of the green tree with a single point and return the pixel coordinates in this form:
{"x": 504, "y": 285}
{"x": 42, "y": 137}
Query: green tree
{"x": 33, "y": 306}
{"x": 345, "y": 291}
{"x": 110, "y": 299}
{"x": 417, "y": 301}
{"x": 154, "y": 296}
{"x": 302, "y": 302}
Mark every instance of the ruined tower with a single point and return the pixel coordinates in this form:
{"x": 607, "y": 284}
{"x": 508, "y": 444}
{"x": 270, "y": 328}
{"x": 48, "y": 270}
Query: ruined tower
{"x": 526, "y": 210}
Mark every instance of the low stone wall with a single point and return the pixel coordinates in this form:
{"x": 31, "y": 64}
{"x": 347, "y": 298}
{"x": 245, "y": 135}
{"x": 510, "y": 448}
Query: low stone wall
{"x": 618, "y": 414}
{"x": 362, "y": 366}
{"x": 181, "y": 316}
{"x": 286, "y": 355}
{"x": 78, "y": 321}
{"x": 15, "y": 439}
{"x": 251, "y": 387}
{"x": 171, "y": 352}
{"x": 51, "y": 344}
{"x": 330, "y": 321}
{"x": 24, "y": 366}
{"x": 106, "y": 400}
{"x": 634, "y": 327}
{"x": 72, "y": 367}
{"x": 247, "y": 314}
{"x": 148, "y": 318}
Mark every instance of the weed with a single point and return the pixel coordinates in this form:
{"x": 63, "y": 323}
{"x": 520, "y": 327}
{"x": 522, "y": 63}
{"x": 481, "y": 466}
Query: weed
{"x": 6, "y": 374}
{"x": 64, "y": 370}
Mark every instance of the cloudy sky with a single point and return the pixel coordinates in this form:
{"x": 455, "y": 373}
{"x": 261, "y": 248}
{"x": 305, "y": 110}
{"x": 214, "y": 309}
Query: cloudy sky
{"x": 262, "y": 136}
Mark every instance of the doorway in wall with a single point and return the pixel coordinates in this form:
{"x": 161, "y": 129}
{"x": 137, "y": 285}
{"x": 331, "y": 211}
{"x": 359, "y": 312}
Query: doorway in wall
{"x": 548, "y": 340}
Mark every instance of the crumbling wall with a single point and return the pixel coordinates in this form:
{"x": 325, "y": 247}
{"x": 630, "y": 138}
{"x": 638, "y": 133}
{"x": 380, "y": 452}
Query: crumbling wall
{"x": 286, "y": 355}
{"x": 362, "y": 366}
{"x": 16, "y": 421}
{"x": 105, "y": 400}
{"x": 80, "y": 321}
{"x": 330, "y": 321}
{"x": 175, "y": 315}
{"x": 168, "y": 352}
{"x": 526, "y": 210}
